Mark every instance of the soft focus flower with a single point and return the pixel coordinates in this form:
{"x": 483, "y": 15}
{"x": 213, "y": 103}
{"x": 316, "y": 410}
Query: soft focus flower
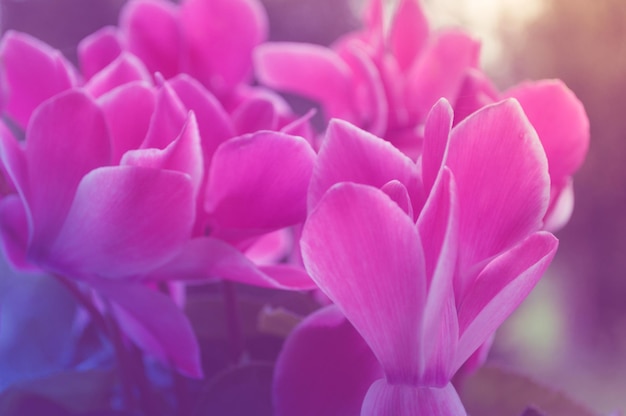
{"x": 424, "y": 260}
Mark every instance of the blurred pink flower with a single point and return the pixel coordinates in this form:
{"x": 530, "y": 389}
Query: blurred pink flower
{"x": 425, "y": 260}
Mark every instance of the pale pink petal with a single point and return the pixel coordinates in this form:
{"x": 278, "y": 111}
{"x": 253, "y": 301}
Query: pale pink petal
{"x": 183, "y": 155}
{"x": 500, "y": 288}
{"x": 502, "y": 179}
{"x": 125, "y": 221}
{"x": 154, "y": 323}
{"x": 128, "y": 110}
{"x": 349, "y": 154}
{"x": 258, "y": 183}
{"x": 436, "y": 139}
{"x": 213, "y": 121}
{"x": 561, "y": 123}
{"x": 220, "y": 36}
{"x": 399, "y": 194}
{"x": 272, "y": 247}
{"x": 32, "y": 73}
{"x": 67, "y": 138}
{"x": 561, "y": 207}
{"x": 98, "y": 50}
{"x": 312, "y": 71}
{"x": 151, "y": 32}
{"x": 124, "y": 69}
{"x": 365, "y": 253}
{"x": 405, "y": 400}
{"x": 14, "y": 232}
{"x": 324, "y": 368}
{"x": 168, "y": 119}
{"x": 438, "y": 224}
{"x": 409, "y": 33}
{"x": 476, "y": 92}
{"x": 441, "y": 70}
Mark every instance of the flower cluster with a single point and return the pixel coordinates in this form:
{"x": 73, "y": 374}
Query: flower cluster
{"x": 423, "y": 211}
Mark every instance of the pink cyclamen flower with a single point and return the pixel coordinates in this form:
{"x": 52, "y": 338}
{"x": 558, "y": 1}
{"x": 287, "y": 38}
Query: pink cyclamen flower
{"x": 425, "y": 260}
{"x": 385, "y": 79}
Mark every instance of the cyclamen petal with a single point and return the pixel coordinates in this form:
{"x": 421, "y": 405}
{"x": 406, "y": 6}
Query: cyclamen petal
{"x": 124, "y": 69}
{"x": 98, "y": 50}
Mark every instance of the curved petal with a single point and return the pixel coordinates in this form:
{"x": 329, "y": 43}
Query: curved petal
{"x": 124, "y": 69}
{"x": 476, "y": 92}
{"x": 312, "y": 71}
{"x": 349, "y": 154}
{"x": 255, "y": 114}
{"x": 404, "y": 400}
{"x": 561, "y": 207}
{"x": 98, "y": 50}
{"x": 168, "y": 119}
{"x": 272, "y": 247}
{"x": 409, "y": 33}
{"x": 219, "y": 53}
{"x": 502, "y": 179}
{"x": 32, "y": 73}
{"x": 154, "y": 323}
{"x": 436, "y": 140}
{"x": 14, "y": 232}
{"x": 499, "y": 289}
{"x": 67, "y": 138}
{"x": 561, "y": 123}
{"x": 365, "y": 253}
{"x": 128, "y": 110}
{"x": 213, "y": 121}
{"x": 324, "y": 368}
{"x": 13, "y": 162}
{"x": 152, "y": 33}
{"x": 258, "y": 183}
{"x": 124, "y": 221}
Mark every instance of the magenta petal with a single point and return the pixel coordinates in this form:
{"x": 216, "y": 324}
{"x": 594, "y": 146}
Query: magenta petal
{"x": 124, "y": 69}
{"x": 255, "y": 114}
{"x": 364, "y": 252}
{"x": 500, "y": 288}
{"x": 398, "y": 193}
{"x": 502, "y": 179}
{"x": 66, "y": 138}
{"x": 125, "y": 221}
{"x": 324, "y": 368}
{"x": 271, "y": 248}
{"x": 561, "y": 123}
{"x": 167, "y": 120}
{"x": 313, "y": 71}
{"x": 128, "y": 110}
{"x": 406, "y": 400}
{"x": 182, "y": 155}
{"x": 409, "y": 33}
{"x": 13, "y": 166}
{"x": 14, "y": 231}
{"x": 213, "y": 121}
{"x": 32, "y": 73}
{"x": 98, "y": 50}
{"x": 349, "y": 154}
{"x": 152, "y": 33}
{"x": 441, "y": 70}
{"x": 436, "y": 139}
{"x": 259, "y": 182}
{"x": 220, "y": 36}
{"x": 155, "y": 324}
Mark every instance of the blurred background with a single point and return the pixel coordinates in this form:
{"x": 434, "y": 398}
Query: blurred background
{"x": 571, "y": 332}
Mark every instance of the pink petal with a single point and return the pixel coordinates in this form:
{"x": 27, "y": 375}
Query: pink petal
{"x": 220, "y": 36}
{"x": 502, "y": 180}
{"x": 213, "y": 121}
{"x": 561, "y": 123}
{"x": 500, "y": 288}
{"x": 128, "y": 110}
{"x": 349, "y": 154}
{"x": 125, "y": 221}
{"x": 168, "y": 119}
{"x": 13, "y": 162}
{"x": 124, "y": 69}
{"x": 436, "y": 139}
{"x": 312, "y": 71}
{"x": 183, "y": 155}
{"x": 258, "y": 183}
{"x": 32, "y": 73}
{"x": 441, "y": 70}
{"x": 364, "y": 252}
{"x": 151, "y": 32}
{"x": 409, "y": 33}
{"x": 154, "y": 323}
{"x": 67, "y": 138}
{"x": 404, "y": 400}
{"x": 561, "y": 207}
{"x": 255, "y": 114}
{"x": 98, "y": 50}
{"x": 324, "y": 368}
{"x": 272, "y": 247}
{"x": 438, "y": 224}
{"x": 14, "y": 232}
{"x": 476, "y": 92}
{"x": 399, "y": 194}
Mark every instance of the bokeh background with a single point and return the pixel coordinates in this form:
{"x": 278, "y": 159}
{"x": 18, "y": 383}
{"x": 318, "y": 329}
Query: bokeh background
{"x": 571, "y": 332}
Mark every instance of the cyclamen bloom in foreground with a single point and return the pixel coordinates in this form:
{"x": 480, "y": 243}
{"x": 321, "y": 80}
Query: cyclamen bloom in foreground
{"x": 425, "y": 260}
